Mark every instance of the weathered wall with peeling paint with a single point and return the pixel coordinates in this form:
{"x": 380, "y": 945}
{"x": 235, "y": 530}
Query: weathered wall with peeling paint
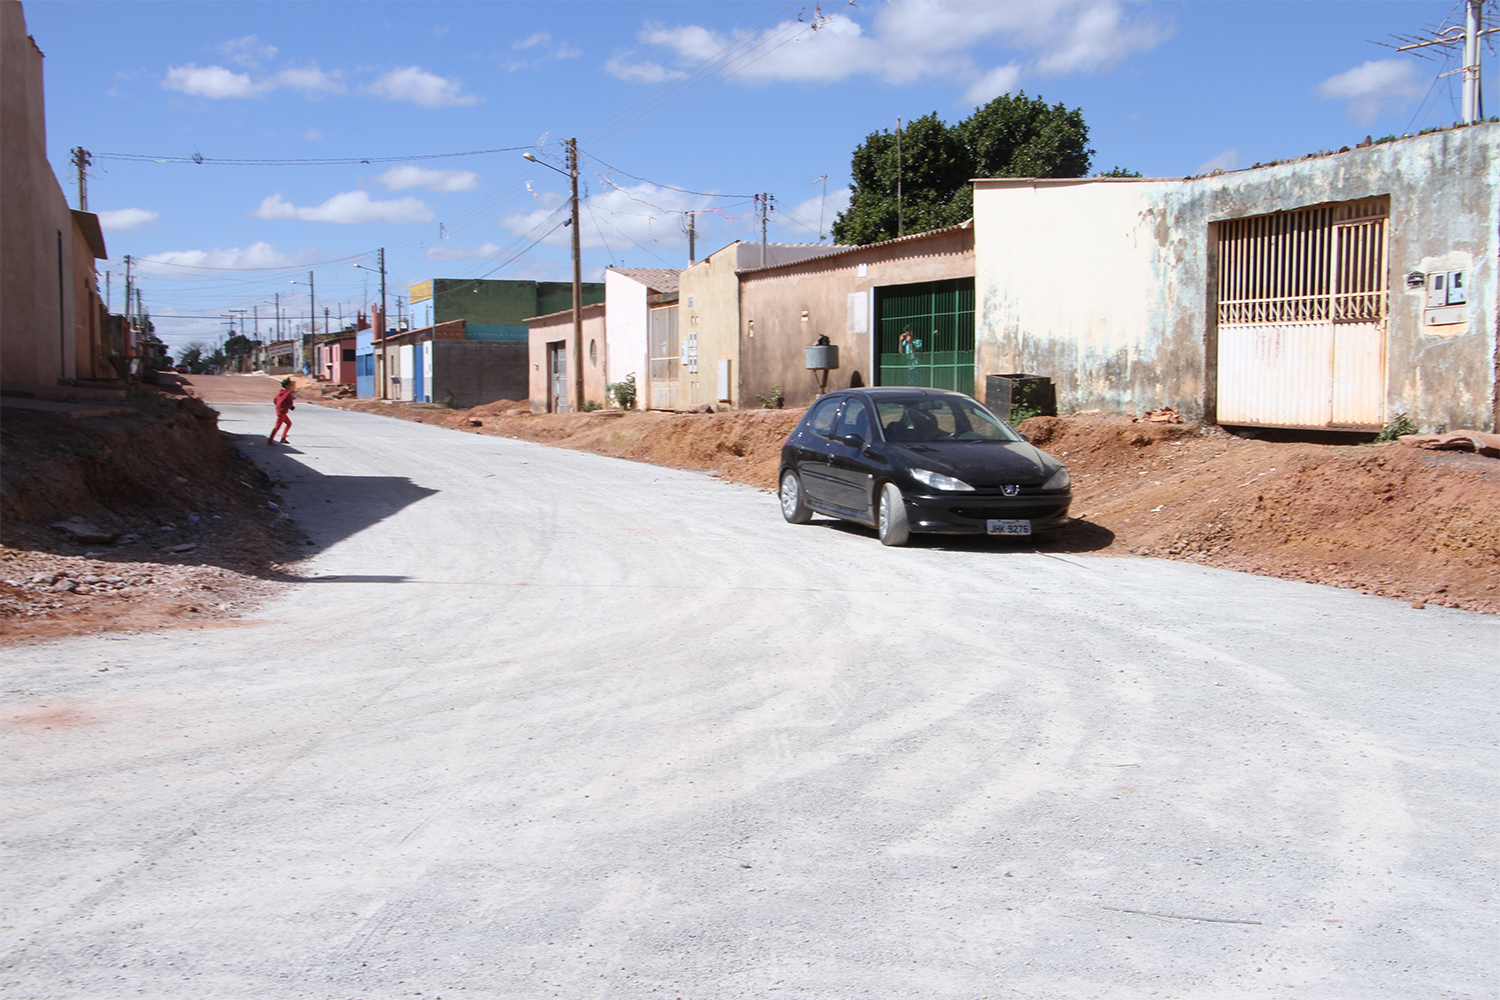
{"x": 1106, "y": 285}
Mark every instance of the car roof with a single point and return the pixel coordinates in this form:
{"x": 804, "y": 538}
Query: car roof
{"x": 878, "y": 391}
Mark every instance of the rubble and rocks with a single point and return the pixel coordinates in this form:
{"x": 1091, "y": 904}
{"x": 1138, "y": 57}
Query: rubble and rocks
{"x": 1478, "y": 442}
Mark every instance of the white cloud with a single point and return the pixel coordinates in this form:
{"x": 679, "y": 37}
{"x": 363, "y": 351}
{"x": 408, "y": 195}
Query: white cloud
{"x": 802, "y": 221}
{"x": 1376, "y": 87}
{"x": 1000, "y": 80}
{"x": 247, "y": 51}
{"x": 311, "y": 79}
{"x": 532, "y": 41}
{"x": 617, "y": 219}
{"x": 485, "y": 251}
{"x": 407, "y": 175}
{"x": 209, "y": 81}
{"x": 641, "y": 72}
{"x": 218, "y": 83}
{"x": 910, "y": 39}
{"x": 348, "y": 208}
{"x": 257, "y": 254}
{"x": 412, "y": 83}
{"x": 312, "y": 133}
{"x": 127, "y": 218}
{"x": 1227, "y": 160}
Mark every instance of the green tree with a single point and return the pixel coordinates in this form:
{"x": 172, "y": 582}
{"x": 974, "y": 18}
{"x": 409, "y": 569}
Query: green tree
{"x": 192, "y": 356}
{"x": 1011, "y": 136}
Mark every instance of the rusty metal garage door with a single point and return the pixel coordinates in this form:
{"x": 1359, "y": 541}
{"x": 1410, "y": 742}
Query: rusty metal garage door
{"x": 1302, "y": 321}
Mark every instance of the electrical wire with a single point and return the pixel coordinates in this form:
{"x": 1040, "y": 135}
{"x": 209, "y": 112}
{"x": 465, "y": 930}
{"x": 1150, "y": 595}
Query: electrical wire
{"x": 315, "y": 162}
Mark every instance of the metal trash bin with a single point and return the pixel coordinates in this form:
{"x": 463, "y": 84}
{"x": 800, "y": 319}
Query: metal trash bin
{"x": 1003, "y": 393}
{"x": 821, "y": 356}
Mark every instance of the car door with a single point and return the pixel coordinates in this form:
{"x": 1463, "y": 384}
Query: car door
{"x": 814, "y": 446}
{"x": 850, "y": 472}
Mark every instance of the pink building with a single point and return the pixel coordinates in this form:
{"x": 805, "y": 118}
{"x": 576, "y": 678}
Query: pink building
{"x": 333, "y": 360}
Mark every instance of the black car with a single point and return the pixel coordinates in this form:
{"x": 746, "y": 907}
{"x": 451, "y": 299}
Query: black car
{"x": 927, "y": 460}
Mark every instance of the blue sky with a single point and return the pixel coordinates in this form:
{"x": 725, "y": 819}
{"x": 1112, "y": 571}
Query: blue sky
{"x": 677, "y": 106}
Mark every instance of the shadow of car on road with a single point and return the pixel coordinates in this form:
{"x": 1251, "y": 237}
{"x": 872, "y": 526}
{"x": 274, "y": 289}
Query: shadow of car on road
{"x": 1077, "y": 535}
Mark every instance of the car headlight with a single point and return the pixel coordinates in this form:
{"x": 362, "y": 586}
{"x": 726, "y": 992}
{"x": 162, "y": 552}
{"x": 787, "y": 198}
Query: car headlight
{"x": 938, "y": 481}
{"x": 1060, "y": 480}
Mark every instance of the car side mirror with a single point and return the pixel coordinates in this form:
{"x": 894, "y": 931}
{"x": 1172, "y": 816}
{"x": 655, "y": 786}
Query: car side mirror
{"x": 1025, "y": 437}
{"x": 853, "y": 440}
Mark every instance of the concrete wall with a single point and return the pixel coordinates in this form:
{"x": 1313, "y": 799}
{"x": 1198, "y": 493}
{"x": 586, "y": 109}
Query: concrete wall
{"x": 477, "y": 371}
{"x": 626, "y": 330}
{"x": 39, "y": 307}
{"x": 838, "y": 304}
{"x": 1107, "y": 285}
{"x": 559, "y": 327}
{"x": 708, "y": 304}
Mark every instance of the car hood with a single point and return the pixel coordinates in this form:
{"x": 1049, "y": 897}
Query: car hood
{"x": 980, "y": 463}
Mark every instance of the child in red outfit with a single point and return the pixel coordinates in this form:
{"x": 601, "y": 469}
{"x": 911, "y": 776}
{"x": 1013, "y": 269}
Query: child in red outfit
{"x": 284, "y": 405}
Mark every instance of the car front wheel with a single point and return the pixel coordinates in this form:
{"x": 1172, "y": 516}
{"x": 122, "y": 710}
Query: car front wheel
{"x": 892, "y": 517}
{"x": 793, "y": 508}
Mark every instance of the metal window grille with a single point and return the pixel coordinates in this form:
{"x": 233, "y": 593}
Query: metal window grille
{"x": 1322, "y": 263}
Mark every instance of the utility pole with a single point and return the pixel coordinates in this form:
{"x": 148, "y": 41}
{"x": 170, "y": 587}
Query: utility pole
{"x": 1468, "y": 36}
{"x": 900, "y": 217}
{"x": 385, "y": 355}
{"x": 822, "y": 204}
{"x": 108, "y": 292}
{"x": 692, "y": 220}
{"x": 764, "y": 201}
{"x": 127, "y": 287}
{"x": 82, "y": 159}
{"x": 572, "y": 145}
{"x": 312, "y": 323}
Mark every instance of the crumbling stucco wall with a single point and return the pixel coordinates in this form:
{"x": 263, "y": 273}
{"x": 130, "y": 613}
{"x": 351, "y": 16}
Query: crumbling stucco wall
{"x": 1106, "y": 285}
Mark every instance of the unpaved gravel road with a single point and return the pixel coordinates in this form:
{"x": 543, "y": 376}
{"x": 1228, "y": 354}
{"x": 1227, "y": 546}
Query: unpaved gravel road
{"x": 550, "y": 724}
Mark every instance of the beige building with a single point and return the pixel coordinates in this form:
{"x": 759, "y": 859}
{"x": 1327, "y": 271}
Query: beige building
{"x": 1331, "y": 291}
{"x": 550, "y": 353}
{"x": 52, "y": 325}
{"x": 697, "y": 362}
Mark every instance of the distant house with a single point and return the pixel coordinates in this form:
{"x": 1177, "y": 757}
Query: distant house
{"x": 551, "y": 361}
{"x": 1332, "y": 291}
{"x": 487, "y": 317}
{"x": 696, "y": 361}
{"x": 641, "y": 309}
{"x": 900, "y": 311}
{"x": 334, "y": 359}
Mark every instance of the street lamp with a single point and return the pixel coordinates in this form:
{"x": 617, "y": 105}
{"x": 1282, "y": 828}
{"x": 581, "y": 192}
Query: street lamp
{"x": 572, "y": 174}
{"x": 312, "y": 323}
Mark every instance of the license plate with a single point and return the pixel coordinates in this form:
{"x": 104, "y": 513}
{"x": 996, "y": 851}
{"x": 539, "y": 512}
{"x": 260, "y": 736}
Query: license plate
{"x": 1010, "y": 527}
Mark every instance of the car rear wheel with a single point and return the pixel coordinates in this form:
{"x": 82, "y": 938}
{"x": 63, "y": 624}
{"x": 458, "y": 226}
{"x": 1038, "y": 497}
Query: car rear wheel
{"x": 892, "y": 518}
{"x": 793, "y": 508}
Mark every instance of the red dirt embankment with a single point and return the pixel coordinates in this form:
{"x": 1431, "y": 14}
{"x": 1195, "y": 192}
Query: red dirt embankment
{"x": 197, "y": 537}
{"x": 1384, "y": 518}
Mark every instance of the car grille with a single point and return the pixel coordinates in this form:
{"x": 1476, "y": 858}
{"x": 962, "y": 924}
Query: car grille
{"x": 1033, "y": 512}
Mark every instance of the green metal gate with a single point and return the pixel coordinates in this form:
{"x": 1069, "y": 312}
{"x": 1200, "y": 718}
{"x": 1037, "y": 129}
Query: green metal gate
{"x": 927, "y": 334}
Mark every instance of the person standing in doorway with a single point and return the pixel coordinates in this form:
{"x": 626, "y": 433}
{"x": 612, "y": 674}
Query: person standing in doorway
{"x": 284, "y": 406}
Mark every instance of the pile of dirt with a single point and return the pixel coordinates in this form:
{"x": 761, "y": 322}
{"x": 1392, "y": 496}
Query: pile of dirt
{"x": 180, "y": 526}
{"x": 1381, "y": 518}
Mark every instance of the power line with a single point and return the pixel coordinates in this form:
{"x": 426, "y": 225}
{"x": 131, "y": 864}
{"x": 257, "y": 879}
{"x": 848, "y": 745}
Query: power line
{"x": 323, "y": 161}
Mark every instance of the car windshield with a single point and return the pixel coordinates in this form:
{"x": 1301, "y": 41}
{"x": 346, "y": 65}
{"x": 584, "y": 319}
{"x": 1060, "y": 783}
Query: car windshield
{"x": 927, "y": 419}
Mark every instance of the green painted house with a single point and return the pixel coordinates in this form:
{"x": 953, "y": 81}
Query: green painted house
{"x": 494, "y": 310}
